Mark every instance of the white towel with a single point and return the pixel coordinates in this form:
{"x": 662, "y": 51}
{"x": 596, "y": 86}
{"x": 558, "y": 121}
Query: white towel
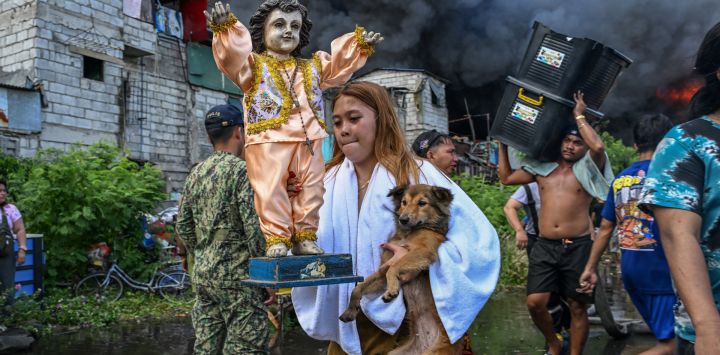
{"x": 462, "y": 280}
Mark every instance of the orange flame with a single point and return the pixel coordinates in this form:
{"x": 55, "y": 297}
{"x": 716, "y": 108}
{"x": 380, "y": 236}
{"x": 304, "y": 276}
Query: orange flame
{"x": 679, "y": 94}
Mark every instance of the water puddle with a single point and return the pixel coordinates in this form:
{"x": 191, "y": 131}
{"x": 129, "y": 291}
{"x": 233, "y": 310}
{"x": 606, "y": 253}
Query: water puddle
{"x": 503, "y": 327}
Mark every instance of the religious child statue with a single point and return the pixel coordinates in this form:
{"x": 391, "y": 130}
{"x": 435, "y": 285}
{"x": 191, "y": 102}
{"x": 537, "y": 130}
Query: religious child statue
{"x": 283, "y": 104}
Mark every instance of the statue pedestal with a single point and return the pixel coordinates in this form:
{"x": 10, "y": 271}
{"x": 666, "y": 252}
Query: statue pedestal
{"x": 301, "y": 271}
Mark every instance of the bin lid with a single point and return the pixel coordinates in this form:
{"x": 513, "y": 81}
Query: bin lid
{"x": 539, "y": 25}
{"x": 617, "y": 54}
{"x": 550, "y": 95}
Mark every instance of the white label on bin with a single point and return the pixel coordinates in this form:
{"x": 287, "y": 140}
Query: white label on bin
{"x": 550, "y": 57}
{"x": 525, "y": 113}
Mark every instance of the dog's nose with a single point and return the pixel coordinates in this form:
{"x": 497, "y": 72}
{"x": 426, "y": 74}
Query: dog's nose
{"x": 404, "y": 220}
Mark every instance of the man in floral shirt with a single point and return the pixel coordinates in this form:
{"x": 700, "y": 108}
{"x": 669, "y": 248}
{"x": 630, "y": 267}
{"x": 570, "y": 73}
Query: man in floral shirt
{"x": 683, "y": 190}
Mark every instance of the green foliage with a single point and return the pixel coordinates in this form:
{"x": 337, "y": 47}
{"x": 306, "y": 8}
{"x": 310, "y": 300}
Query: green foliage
{"x": 621, "y": 156}
{"x": 83, "y": 196}
{"x": 14, "y": 171}
{"x": 491, "y": 198}
{"x": 59, "y": 309}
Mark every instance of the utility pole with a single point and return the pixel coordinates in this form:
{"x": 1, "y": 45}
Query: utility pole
{"x": 474, "y": 145}
{"x": 469, "y": 118}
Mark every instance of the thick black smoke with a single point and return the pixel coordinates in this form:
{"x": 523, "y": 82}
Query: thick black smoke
{"x": 473, "y": 42}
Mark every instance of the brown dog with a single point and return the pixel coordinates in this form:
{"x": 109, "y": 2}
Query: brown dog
{"x": 422, "y": 214}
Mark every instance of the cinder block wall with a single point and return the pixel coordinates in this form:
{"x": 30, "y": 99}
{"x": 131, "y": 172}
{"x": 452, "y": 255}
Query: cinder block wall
{"x": 42, "y": 37}
{"x": 18, "y": 37}
{"x": 415, "y": 109}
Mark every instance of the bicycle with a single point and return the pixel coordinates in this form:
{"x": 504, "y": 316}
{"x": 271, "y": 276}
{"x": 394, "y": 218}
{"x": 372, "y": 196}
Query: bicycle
{"x": 173, "y": 284}
{"x": 283, "y": 305}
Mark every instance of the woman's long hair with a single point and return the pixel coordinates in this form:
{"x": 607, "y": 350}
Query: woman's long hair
{"x": 389, "y": 147}
{"x": 707, "y": 99}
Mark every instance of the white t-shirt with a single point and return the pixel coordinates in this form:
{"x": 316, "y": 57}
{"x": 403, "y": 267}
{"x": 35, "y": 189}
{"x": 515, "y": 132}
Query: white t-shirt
{"x": 521, "y": 196}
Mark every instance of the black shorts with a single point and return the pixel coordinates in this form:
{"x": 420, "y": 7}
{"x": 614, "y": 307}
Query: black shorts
{"x": 532, "y": 238}
{"x": 556, "y": 266}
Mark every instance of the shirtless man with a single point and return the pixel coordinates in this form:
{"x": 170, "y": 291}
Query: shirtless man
{"x": 564, "y": 244}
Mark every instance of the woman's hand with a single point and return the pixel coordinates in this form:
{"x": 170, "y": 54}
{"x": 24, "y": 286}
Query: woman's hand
{"x": 398, "y": 253}
{"x": 21, "y": 257}
{"x": 19, "y": 230}
{"x": 293, "y": 185}
{"x": 271, "y": 297}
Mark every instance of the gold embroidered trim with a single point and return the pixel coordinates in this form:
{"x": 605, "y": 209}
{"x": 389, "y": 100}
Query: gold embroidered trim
{"x": 318, "y": 66}
{"x": 271, "y": 240}
{"x": 307, "y": 73}
{"x": 223, "y": 26}
{"x": 366, "y": 49}
{"x": 273, "y": 66}
{"x": 257, "y": 78}
{"x": 264, "y": 125}
{"x": 285, "y": 63}
{"x": 306, "y": 66}
{"x": 307, "y": 79}
{"x": 302, "y": 236}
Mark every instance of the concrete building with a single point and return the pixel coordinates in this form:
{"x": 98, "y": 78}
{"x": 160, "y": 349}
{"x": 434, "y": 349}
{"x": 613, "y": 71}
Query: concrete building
{"x": 419, "y": 98}
{"x": 91, "y": 70}
{"x": 84, "y": 71}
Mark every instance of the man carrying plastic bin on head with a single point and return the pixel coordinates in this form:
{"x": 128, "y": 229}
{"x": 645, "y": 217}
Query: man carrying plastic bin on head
{"x": 567, "y": 188}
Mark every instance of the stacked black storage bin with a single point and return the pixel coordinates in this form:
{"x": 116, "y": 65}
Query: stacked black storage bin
{"x": 537, "y": 104}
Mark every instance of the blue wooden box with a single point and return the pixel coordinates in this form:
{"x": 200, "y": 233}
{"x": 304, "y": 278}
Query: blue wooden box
{"x": 30, "y": 274}
{"x": 302, "y": 270}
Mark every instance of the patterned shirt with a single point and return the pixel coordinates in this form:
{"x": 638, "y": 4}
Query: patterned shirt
{"x": 685, "y": 174}
{"x": 12, "y": 214}
{"x": 218, "y": 223}
{"x": 643, "y": 264}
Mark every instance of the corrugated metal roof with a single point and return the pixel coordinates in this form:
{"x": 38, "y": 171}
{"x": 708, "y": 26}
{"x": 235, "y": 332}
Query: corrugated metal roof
{"x": 18, "y": 79}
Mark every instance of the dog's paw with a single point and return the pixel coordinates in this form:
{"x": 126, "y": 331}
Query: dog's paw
{"x": 349, "y": 315}
{"x": 389, "y": 295}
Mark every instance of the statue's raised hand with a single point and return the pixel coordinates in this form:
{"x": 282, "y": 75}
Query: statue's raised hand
{"x": 372, "y": 38}
{"x": 220, "y": 13}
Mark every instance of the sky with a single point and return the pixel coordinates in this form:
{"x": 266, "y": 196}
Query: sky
{"x": 475, "y": 42}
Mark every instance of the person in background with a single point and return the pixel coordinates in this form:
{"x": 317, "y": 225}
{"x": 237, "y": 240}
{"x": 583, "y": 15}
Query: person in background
{"x": 370, "y": 157}
{"x": 220, "y": 229}
{"x": 682, "y": 189}
{"x": 438, "y": 148}
{"x": 567, "y": 187}
{"x": 645, "y": 271}
{"x": 527, "y": 197}
{"x": 11, "y": 223}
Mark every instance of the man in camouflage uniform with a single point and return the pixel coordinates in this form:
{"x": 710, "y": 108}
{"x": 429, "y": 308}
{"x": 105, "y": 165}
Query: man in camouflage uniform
{"x": 218, "y": 223}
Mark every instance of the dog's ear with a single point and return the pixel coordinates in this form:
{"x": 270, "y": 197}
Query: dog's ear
{"x": 397, "y": 193}
{"x": 442, "y": 194}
